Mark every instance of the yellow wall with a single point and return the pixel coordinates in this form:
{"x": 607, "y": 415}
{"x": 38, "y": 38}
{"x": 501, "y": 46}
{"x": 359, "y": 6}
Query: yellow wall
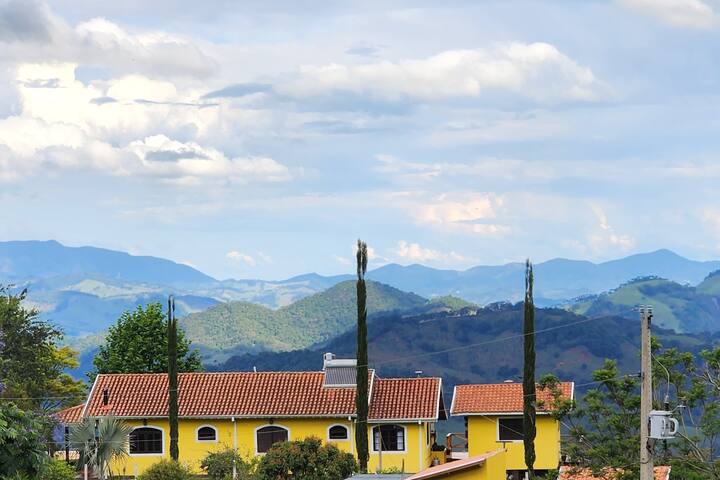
{"x": 416, "y": 457}
{"x": 192, "y": 452}
{"x": 483, "y": 434}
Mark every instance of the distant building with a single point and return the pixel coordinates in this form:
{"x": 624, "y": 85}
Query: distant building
{"x": 493, "y": 420}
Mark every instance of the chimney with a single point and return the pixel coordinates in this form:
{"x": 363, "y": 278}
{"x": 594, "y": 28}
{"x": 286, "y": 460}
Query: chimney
{"x": 508, "y": 381}
{"x": 418, "y": 373}
{"x": 106, "y": 396}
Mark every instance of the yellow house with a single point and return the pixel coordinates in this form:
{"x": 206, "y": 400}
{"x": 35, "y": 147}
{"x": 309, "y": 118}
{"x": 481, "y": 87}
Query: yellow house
{"x": 250, "y": 411}
{"x": 489, "y": 466}
{"x": 493, "y": 420}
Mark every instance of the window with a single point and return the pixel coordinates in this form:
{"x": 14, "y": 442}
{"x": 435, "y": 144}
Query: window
{"x": 268, "y": 436}
{"x": 206, "y": 434}
{"x": 338, "y": 432}
{"x": 391, "y": 436}
{"x": 510, "y": 429}
{"x": 146, "y": 440}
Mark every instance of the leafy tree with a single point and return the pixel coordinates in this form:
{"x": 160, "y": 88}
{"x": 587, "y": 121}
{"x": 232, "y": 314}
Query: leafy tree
{"x": 166, "y": 470}
{"x": 22, "y": 438}
{"x": 172, "y": 342}
{"x": 100, "y": 443}
{"x": 219, "y": 465}
{"x": 529, "y": 428}
{"x": 361, "y": 391}
{"x": 58, "y": 470}
{"x": 138, "y": 343}
{"x": 32, "y": 365}
{"x": 305, "y": 459}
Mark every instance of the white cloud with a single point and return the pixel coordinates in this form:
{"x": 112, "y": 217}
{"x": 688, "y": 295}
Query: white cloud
{"x": 189, "y": 162}
{"x": 467, "y": 213}
{"x": 236, "y": 256}
{"x": 605, "y": 238}
{"x": 413, "y": 252}
{"x": 538, "y": 71}
{"x": 678, "y": 13}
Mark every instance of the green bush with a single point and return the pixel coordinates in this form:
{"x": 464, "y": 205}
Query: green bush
{"x": 58, "y": 470}
{"x": 306, "y": 459}
{"x": 219, "y": 465}
{"x": 166, "y": 470}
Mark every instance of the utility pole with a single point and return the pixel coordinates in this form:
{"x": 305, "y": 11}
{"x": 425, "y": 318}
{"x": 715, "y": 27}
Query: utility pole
{"x": 646, "y": 460}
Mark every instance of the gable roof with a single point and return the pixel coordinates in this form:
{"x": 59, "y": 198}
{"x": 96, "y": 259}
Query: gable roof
{"x": 499, "y": 398}
{"x": 70, "y": 415}
{"x": 574, "y": 473}
{"x": 407, "y": 398}
{"x": 452, "y": 467}
{"x": 258, "y": 395}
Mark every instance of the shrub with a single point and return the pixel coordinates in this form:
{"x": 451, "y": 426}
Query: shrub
{"x": 166, "y": 470}
{"x": 306, "y": 459}
{"x": 219, "y": 465}
{"x": 58, "y": 470}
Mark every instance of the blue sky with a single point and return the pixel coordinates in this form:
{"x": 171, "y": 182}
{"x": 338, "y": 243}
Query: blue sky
{"x": 261, "y": 139}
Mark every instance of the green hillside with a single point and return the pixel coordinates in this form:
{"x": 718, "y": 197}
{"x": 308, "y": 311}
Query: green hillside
{"x": 244, "y": 326}
{"x": 483, "y": 345}
{"x": 683, "y": 308}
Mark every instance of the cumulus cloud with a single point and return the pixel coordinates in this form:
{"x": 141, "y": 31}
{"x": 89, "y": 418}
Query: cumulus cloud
{"x": 467, "y": 213}
{"x": 538, "y": 71}
{"x": 413, "y": 252}
{"x": 240, "y": 257}
{"x": 606, "y": 238}
{"x": 678, "y": 13}
{"x": 189, "y": 162}
{"x": 31, "y": 32}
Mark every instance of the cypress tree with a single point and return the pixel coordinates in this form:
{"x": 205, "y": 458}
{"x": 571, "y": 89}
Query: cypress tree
{"x": 172, "y": 380}
{"x": 529, "y": 428}
{"x": 361, "y": 395}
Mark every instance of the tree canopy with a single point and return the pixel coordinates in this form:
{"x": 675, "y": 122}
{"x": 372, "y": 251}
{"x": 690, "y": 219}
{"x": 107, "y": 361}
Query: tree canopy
{"x": 138, "y": 343}
{"x": 32, "y": 364}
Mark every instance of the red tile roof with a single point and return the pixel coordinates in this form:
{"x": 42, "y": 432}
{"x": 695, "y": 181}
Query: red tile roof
{"x": 452, "y": 467}
{"x": 70, "y": 415}
{"x": 406, "y": 398}
{"x": 574, "y": 473}
{"x": 261, "y": 394}
{"x": 499, "y": 398}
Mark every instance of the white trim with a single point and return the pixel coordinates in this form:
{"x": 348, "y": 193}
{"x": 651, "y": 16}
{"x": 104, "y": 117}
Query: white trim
{"x": 497, "y": 430}
{"x": 347, "y": 431}
{"x": 440, "y": 397}
{"x": 399, "y": 420}
{"x": 338, "y": 416}
{"x": 92, "y": 390}
{"x": 405, "y": 439}
{"x": 452, "y": 404}
{"x": 155, "y": 427}
{"x": 370, "y": 388}
{"x": 197, "y": 433}
{"x": 255, "y": 432}
{"x": 420, "y": 447}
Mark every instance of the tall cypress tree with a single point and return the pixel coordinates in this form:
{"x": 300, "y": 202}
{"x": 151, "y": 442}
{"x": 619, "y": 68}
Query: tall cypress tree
{"x": 172, "y": 380}
{"x": 529, "y": 428}
{"x": 361, "y": 395}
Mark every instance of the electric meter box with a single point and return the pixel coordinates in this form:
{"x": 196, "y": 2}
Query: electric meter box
{"x": 662, "y": 425}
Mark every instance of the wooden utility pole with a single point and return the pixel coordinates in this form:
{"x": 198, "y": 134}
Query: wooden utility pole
{"x": 646, "y": 460}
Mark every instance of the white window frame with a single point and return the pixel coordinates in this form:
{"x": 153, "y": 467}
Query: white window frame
{"x": 197, "y": 434}
{"x": 405, "y": 438}
{"x": 155, "y": 427}
{"x": 255, "y": 432}
{"x": 347, "y": 431}
{"x": 497, "y": 430}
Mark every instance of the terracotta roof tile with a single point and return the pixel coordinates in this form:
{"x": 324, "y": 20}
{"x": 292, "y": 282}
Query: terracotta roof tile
{"x": 70, "y": 415}
{"x": 455, "y": 466}
{"x": 499, "y": 398}
{"x": 261, "y": 394}
{"x": 405, "y": 398}
{"x": 573, "y": 473}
